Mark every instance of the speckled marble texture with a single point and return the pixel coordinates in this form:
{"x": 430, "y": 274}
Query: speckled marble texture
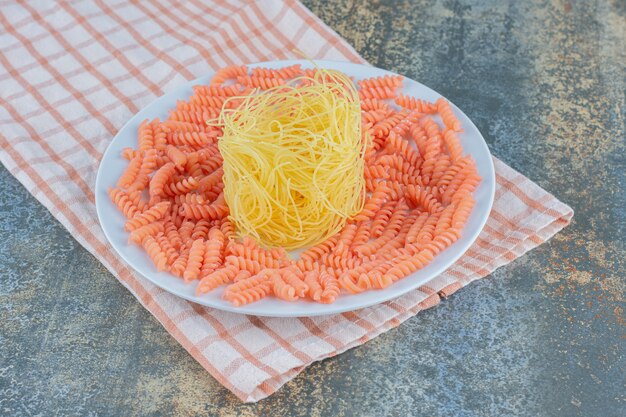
{"x": 543, "y": 336}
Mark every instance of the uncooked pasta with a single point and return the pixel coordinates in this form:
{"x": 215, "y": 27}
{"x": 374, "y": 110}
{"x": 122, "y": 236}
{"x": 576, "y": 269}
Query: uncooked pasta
{"x": 291, "y": 165}
{"x": 293, "y": 160}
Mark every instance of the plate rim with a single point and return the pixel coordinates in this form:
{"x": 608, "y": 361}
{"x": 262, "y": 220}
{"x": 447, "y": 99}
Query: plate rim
{"x": 250, "y": 309}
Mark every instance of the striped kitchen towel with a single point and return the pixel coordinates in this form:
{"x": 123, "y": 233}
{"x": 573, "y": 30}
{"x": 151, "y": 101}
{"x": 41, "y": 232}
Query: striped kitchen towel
{"x": 71, "y": 74}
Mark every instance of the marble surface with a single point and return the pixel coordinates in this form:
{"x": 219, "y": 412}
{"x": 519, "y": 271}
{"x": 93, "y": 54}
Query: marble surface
{"x": 543, "y": 336}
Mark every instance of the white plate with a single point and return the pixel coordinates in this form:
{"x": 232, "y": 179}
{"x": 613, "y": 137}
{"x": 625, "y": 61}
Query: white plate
{"x": 112, "y": 220}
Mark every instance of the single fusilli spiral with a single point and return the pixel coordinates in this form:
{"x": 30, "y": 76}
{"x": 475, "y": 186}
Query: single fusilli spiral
{"x": 155, "y": 253}
{"x": 447, "y": 115}
{"x": 284, "y": 73}
{"x": 153, "y": 214}
{"x": 228, "y": 73}
{"x": 150, "y": 229}
{"x": 391, "y": 81}
{"x": 260, "y": 82}
{"x": 413, "y": 103}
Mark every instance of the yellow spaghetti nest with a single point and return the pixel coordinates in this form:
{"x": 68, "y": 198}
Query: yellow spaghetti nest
{"x": 294, "y": 160}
